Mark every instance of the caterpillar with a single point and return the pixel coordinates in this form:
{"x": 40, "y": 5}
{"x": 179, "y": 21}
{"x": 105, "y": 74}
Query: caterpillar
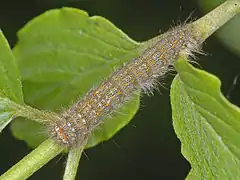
{"x": 140, "y": 74}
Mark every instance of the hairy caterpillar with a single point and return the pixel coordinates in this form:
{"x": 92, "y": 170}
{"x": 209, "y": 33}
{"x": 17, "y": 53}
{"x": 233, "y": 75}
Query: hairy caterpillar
{"x": 142, "y": 73}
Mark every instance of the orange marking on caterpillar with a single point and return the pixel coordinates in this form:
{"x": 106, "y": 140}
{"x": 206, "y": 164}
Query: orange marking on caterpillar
{"x": 62, "y": 134}
{"x": 174, "y": 43}
{"x": 108, "y": 103}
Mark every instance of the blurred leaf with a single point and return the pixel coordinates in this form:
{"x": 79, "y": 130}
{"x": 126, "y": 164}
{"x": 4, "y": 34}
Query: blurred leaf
{"x": 10, "y": 84}
{"x": 229, "y": 33}
{"x": 35, "y": 134}
{"x": 207, "y": 125}
{"x": 64, "y": 53}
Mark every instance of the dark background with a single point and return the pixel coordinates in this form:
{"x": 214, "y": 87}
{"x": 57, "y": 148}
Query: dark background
{"x": 147, "y": 148}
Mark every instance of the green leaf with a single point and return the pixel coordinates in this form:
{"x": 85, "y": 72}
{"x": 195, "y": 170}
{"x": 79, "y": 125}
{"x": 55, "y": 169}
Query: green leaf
{"x": 35, "y": 133}
{"x": 10, "y": 84}
{"x": 229, "y": 33}
{"x": 207, "y": 125}
{"x": 64, "y": 53}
